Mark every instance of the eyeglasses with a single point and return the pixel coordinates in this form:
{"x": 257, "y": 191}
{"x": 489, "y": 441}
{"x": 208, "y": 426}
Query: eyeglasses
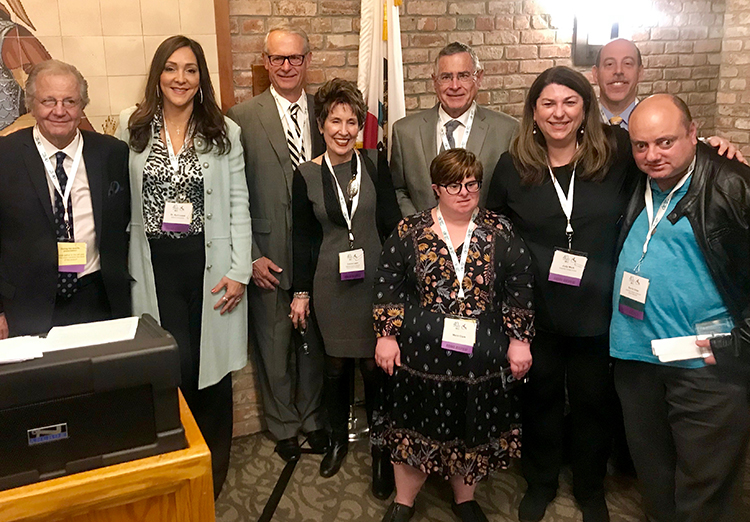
{"x": 454, "y": 189}
{"x": 295, "y": 60}
{"x": 67, "y": 103}
{"x": 464, "y": 77}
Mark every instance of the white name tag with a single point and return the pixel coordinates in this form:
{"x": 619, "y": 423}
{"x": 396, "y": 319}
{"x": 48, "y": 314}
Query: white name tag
{"x": 633, "y": 292}
{"x": 177, "y": 217}
{"x": 71, "y": 257}
{"x": 352, "y": 264}
{"x": 678, "y": 349}
{"x": 459, "y": 334}
{"x": 567, "y": 268}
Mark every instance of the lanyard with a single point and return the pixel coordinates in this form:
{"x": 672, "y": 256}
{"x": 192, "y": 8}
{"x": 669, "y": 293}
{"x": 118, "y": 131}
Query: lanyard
{"x": 53, "y": 176}
{"x": 348, "y": 217}
{"x": 173, "y": 158}
{"x": 653, "y": 221}
{"x": 459, "y": 266}
{"x": 467, "y": 130}
{"x": 566, "y": 202}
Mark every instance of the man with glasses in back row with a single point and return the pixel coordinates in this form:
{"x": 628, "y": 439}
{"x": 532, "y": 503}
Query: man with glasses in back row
{"x": 278, "y": 133}
{"x": 64, "y": 210}
{"x": 456, "y": 121}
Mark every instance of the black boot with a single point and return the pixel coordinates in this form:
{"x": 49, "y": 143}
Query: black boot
{"x": 336, "y": 400}
{"x": 382, "y": 474}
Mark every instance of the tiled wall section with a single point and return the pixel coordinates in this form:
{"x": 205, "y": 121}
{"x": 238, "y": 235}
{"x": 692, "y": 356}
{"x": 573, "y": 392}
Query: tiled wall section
{"x": 112, "y": 42}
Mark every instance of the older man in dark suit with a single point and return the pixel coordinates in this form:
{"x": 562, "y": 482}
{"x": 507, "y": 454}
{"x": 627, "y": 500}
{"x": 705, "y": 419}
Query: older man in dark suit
{"x": 456, "y": 121}
{"x": 278, "y": 133}
{"x": 64, "y": 210}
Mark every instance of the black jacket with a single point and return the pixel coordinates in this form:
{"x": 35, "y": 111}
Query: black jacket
{"x": 28, "y": 244}
{"x": 717, "y": 205}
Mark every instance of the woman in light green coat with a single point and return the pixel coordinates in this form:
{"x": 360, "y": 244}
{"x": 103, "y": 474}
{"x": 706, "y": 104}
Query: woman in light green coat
{"x": 190, "y": 236}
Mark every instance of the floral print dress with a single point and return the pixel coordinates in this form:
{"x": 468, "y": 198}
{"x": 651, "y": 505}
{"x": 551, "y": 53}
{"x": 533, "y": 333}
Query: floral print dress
{"x": 447, "y": 412}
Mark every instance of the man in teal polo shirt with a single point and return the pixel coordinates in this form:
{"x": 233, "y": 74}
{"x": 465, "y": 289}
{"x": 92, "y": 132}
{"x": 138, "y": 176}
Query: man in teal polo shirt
{"x": 683, "y": 268}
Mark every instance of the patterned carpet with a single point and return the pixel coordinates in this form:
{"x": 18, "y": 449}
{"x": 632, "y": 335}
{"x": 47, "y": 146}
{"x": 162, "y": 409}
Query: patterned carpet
{"x": 346, "y": 496}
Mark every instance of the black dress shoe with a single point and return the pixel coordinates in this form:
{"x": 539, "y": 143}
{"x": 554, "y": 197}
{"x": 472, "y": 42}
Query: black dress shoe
{"x": 318, "y": 441}
{"x": 533, "y": 505}
{"x": 595, "y": 510}
{"x": 288, "y": 449}
{"x": 382, "y": 474}
{"x": 333, "y": 458}
{"x": 398, "y": 513}
{"x": 468, "y": 511}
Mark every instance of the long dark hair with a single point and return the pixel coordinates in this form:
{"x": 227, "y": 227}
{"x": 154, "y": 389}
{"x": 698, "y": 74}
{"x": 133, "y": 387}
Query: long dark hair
{"x": 595, "y": 150}
{"x": 206, "y": 118}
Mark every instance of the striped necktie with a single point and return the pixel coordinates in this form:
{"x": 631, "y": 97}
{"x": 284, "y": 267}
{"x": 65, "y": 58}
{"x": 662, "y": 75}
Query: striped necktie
{"x": 294, "y": 138}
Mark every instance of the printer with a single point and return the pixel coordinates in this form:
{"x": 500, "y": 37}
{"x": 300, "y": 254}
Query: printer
{"x": 83, "y": 408}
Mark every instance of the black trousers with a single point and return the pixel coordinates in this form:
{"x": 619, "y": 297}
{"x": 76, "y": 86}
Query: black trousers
{"x": 178, "y": 272}
{"x": 688, "y": 435}
{"x": 579, "y": 365}
{"x": 87, "y": 305}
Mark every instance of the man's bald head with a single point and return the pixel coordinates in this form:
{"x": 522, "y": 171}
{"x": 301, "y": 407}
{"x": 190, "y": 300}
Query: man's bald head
{"x": 663, "y": 137}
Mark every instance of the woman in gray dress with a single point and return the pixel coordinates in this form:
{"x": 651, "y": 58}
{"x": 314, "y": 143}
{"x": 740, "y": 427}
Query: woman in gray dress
{"x": 343, "y": 208}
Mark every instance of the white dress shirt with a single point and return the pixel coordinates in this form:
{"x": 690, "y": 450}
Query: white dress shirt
{"x": 282, "y": 104}
{"x": 80, "y": 197}
{"x": 458, "y": 134}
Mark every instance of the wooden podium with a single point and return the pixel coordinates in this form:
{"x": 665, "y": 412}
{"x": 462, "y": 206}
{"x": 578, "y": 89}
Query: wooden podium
{"x": 175, "y": 486}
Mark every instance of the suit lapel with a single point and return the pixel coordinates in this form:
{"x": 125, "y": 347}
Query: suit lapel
{"x": 38, "y": 176}
{"x": 268, "y": 114}
{"x": 92, "y": 159}
{"x": 478, "y": 133}
{"x": 428, "y": 132}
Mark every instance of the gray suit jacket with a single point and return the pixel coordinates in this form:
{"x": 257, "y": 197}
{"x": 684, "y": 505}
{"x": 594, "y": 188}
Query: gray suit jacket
{"x": 414, "y": 146}
{"x": 269, "y": 177}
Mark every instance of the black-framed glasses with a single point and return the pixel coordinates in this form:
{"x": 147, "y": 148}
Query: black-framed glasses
{"x": 471, "y": 187}
{"x": 277, "y": 60}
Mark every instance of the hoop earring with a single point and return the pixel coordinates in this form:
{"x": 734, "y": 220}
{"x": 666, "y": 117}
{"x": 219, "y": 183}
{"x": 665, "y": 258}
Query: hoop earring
{"x": 200, "y": 92}
{"x": 158, "y": 91}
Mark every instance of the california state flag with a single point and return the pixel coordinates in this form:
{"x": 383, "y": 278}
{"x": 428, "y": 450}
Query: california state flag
{"x": 381, "y": 70}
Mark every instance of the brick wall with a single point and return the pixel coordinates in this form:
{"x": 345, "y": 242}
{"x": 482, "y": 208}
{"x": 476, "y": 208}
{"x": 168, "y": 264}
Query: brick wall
{"x": 733, "y": 98}
{"x": 516, "y": 40}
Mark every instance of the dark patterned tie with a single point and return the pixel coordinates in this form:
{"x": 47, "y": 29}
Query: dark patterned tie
{"x": 293, "y": 137}
{"x": 67, "y": 282}
{"x": 451, "y": 126}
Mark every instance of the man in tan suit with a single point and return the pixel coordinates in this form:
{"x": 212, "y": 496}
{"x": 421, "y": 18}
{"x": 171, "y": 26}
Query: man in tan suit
{"x": 278, "y": 133}
{"x": 456, "y": 121}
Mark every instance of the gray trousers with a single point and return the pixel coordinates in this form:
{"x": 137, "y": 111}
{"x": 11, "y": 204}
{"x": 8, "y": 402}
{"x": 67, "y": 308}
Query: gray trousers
{"x": 291, "y": 382}
{"x": 688, "y": 434}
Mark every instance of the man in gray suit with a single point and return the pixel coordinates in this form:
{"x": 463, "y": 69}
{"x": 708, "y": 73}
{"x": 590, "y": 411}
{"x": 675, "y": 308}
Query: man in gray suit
{"x": 456, "y": 121}
{"x": 278, "y": 133}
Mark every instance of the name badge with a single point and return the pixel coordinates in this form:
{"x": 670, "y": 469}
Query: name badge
{"x": 459, "y": 334}
{"x": 567, "y": 267}
{"x": 633, "y": 292}
{"x": 71, "y": 257}
{"x": 177, "y": 217}
{"x": 352, "y": 264}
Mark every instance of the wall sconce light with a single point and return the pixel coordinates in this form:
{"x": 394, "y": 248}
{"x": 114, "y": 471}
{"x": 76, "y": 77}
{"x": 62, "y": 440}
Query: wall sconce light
{"x": 589, "y": 35}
